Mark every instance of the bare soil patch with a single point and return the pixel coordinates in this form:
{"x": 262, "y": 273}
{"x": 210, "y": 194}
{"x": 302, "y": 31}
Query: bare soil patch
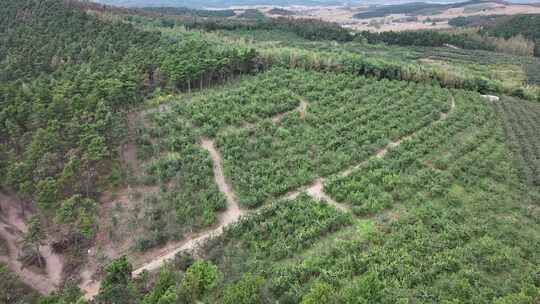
{"x": 12, "y": 229}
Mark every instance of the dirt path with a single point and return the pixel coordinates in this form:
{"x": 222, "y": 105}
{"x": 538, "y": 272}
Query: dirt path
{"x": 234, "y": 213}
{"x": 231, "y": 215}
{"x": 302, "y": 108}
{"x": 316, "y": 190}
{"x": 12, "y": 229}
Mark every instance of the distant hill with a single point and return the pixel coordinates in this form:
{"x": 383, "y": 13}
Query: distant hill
{"x": 189, "y": 12}
{"x": 417, "y": 8}
{"x": 222, "y": 3}
{"x": 282, "y": 3}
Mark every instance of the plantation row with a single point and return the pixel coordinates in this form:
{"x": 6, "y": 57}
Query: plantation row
{"x": 418, "y": 164}
{"x": 189, "y": 198}
{"x": 341, "y": 128}
{"x": 522, "y": 125}
{"x": 347, "y": 120}
{"x": 455, "y": 224}
{"x": 278, "y": 230}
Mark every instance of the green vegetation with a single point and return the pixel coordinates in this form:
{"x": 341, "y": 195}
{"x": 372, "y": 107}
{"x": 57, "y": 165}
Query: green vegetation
{"x": 275, "y": 232}
{"x": 445, "y": 222}
{"x": 444, "y": 215}
{"x": 521, "y": 121}
{"x": 414, "y": 8}
{"x": 253, "y": 14}
{"x": 341, "y": 127}
{"x": 524, "y": 25}
{"x": 472, "y": 21}
{"x": 12, "y": 290}
{"x": 189, "y": 12}
{"x": 346, "y": 120}
{"x": 280, "y": 12}
{"x": 306, "y": 28}
{"x": 189, "y": 198}
{"x": 426, "y": 38}
{"x": 63, "y": 103}
{"x": 505, "y": 27}
{"x": 60, "y": 103}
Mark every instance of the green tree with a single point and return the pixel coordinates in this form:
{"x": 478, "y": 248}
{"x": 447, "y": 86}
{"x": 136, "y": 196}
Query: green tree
{"x": 117, "y": 286}
{"x": 47, "y": 193}
{"x": 200, "y": 278}
{"x": 164, "y": 287}
{"x": 320, "y": 293}
{"x": 365, "y": 290}
{"x": 245, "y": 291}
{"x": 33, "y": 239}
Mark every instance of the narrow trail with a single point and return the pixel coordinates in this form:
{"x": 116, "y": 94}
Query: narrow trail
{"x": 316, "y": 190}
{"x": 12, "y": 229}
{"x": 234, "y": 213}
{"x": 231, "y": 215}
{"x": 302, "y": 107}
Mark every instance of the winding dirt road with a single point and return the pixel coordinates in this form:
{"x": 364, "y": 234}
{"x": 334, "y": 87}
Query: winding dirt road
{"x": 231, "y": 215}
{"x": 316, "y": 190}
{"x": 234, "y": 213}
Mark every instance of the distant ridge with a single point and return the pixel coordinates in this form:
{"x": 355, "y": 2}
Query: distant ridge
{"x": 415, "y": 8}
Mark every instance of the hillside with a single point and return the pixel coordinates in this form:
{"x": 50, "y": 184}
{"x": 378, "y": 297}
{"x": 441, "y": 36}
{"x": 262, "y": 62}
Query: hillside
{"x": 219, "y": 3}
{"x": 170, "y": 155}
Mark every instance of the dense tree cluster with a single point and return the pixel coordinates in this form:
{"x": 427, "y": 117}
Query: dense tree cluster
{"x": 476, "y": 20}
{"x": 525, "y": 25}
{"x": 505, "y": 27}
{"x": 62, "y": 102}
{"x": 413, "y": 8}
{"x": 425, "y": 38}
{"x": 59, "y": 100}
{"x": 190, "y": 12}
{"x": 306, "y": 28}
{"x": 195, "y": 62}
{"x": 281, "y": 12}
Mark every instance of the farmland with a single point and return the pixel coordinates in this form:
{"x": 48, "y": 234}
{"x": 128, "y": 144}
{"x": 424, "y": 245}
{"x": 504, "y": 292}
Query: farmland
{"x": 189, "y": 156}
{"x": 521, "y": 123}
{"x": 413, "y": 182}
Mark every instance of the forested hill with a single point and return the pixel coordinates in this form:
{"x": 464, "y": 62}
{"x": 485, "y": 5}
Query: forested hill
{"x": 220, "y": 3}
{"x": 525, "y": 25}
{"x": 65, "y": 37}
{"x": 66, "y": 78}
